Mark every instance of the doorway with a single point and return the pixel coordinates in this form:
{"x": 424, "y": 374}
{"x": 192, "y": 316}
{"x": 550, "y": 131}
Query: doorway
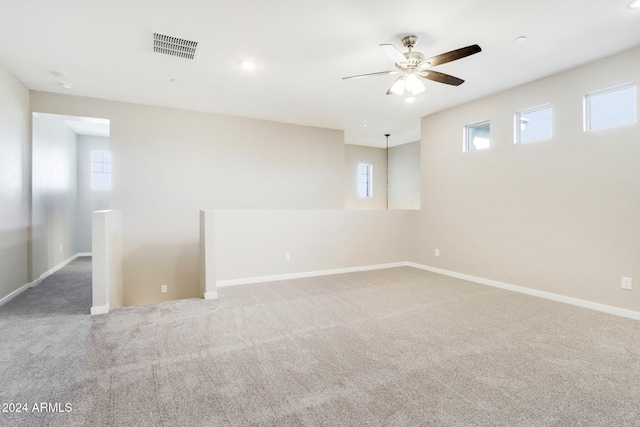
{"x": 71, "y": 177}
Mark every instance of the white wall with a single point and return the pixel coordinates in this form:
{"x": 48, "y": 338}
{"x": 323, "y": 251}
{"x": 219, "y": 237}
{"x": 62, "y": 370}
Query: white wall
{"x": 168, "y": 164}
{"x": 404, "y": 176}
{"x": 561, "y": 216}
{"x": 14, "y": 183}
{"x": 253, "y": 243}
{"x": 89, "y": 200}
{"x": 354, "y": 155}
{"x": 54, "y": 193}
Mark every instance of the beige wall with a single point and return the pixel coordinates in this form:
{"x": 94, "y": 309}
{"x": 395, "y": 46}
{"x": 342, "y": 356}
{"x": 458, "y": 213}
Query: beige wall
{"x": 253, "y": 243}
{"x": 354, "y": 155}
{"x": 404, "y": 176}
{"x": 168, "y": 164}
{"x": 561, "y": 216}
{"x": 54, "y": 193}
{"x": 89, "y": 200}
{"x": 14, "y": 183}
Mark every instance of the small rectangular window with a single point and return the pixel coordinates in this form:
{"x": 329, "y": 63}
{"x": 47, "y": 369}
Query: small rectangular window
{"x": 100, "y": 170}
{"x": 365, "y": 180}
{"x": 610, "y": 107}
{"x": 477, "y": 137}
{"x": 533, "y": 124}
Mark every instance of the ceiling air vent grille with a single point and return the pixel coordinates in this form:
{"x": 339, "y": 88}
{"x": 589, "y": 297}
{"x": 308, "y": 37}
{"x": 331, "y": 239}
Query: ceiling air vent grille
{"x": 175, "y": 46}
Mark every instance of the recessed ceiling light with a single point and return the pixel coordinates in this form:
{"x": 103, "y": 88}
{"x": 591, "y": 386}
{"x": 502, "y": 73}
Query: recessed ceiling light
{"x": 635, "y": 4}
{"x": 365, "y": 125}
{"x": 248, "y": 65}
{"x": 66, "y": 85}
{"x": 521, "y": 39}
{"x": 59, "y": 73}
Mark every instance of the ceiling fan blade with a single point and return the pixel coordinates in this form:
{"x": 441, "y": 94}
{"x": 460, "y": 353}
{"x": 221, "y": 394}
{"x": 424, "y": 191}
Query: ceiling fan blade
{"x": 443, "y": 58}
{"x": 380, "y": 73}
{"x": 441, "y": 78}
{"x": 393, "y": 53}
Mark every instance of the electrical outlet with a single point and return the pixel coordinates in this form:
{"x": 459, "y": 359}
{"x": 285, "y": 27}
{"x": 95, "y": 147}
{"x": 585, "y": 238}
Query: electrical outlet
{"x": 437, "y": 252}
{"x": 60, "y": 247}
{"x": 287, "y": 257}
{"x": 627, "y": 283}
{"x": 164, "y": 289}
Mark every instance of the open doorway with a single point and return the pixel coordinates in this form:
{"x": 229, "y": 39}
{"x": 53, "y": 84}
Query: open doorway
{"x": 71, "y": 177}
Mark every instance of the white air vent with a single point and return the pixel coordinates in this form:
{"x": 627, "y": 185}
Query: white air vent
{"x": 175, "y": 46}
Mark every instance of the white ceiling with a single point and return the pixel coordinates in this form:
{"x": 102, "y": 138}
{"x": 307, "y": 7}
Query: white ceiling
{"x": 303, "y": 48}
{"x": 86, "y": 125}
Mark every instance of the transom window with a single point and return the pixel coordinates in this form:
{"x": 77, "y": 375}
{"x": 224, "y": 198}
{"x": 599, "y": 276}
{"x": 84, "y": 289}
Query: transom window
{"x": 533, "y": 124}
{"x": 477, "y": 136}
{"x": 610, "y": 107}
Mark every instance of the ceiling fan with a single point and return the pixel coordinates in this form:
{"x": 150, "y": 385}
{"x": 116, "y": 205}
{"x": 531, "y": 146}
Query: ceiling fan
{"x": 413, "y": 64}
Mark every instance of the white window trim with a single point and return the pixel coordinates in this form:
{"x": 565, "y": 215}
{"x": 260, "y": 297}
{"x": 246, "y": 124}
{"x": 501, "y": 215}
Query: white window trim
{"x": 465, "y": 136}
{"x": 516, "y": 123}
{"x": 370, "y": 182}
{"x": 586, "y": 108}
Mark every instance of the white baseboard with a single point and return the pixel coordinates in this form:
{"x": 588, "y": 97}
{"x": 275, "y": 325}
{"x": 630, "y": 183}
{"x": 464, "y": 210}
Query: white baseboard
{"x": 100, "y": 309}
{"x": 536, "y": 293}
{"x": 53, "y": 270}
{"x": 488, "y": 282}
{"x": 14, "y": 294}
{"x": 210, "y": 295}
{"x": 249, "y": 280}
{"x": 84, "y": 254}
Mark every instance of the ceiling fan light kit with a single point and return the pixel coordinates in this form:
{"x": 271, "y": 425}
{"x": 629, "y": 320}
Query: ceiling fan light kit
{"x": 407, "y": 86}
{"x": 409, "y": 98}
{"x": 412, "y": 64}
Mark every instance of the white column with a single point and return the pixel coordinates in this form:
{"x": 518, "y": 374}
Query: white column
{"x": 106, "y": 236}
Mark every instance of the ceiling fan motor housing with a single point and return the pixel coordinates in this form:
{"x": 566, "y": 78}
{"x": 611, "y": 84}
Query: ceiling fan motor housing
{"x": 414, "y": 58}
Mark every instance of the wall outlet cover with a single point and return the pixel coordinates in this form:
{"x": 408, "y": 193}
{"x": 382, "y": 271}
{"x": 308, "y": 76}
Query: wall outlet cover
{"x": 627, "y": 283}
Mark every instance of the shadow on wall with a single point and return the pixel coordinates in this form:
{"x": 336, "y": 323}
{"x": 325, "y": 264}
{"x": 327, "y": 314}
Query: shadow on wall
{"x": 176, "y": 266}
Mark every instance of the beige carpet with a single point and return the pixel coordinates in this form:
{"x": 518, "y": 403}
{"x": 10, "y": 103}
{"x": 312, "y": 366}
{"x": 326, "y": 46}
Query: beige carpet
{"x": 390, "y": 347}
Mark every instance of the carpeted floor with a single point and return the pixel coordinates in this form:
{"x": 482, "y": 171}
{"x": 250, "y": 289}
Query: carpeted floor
{"x": 44, "y": 338}
{"x": 389, "y": 347}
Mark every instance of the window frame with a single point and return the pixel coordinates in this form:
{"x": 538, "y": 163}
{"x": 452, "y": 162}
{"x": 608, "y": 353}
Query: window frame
{"x": 516, "y": 123}
{"x": 369, "y": 182}
{"x": 465, "y": 140}
{"x": 586, "y": 106}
